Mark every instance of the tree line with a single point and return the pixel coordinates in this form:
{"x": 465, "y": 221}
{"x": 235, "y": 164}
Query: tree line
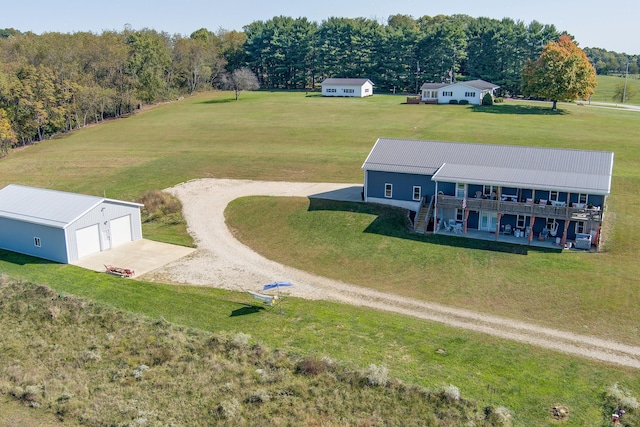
{"x": 54, "y": 82}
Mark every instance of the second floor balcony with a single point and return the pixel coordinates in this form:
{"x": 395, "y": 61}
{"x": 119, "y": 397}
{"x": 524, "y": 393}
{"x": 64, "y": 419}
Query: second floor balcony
{"x": 508, "y": 207}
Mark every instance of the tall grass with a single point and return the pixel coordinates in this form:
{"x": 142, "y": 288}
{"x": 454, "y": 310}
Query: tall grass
{"x": 94, "y": 366}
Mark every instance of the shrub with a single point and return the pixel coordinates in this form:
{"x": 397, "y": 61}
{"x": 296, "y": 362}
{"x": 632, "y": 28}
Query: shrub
{"x": 499, "y": 416}
{"x": 463, "y": 102}
{"x": 377, "y": 375}
{"x": 498, "y": 100}
{"x": 158, "y": 204}
{"x": 487, "y": 99}
{"x": 137, "y": 373}
{"x": 453, "y": 101}
{"x": 312, "y": 366}
{"x": 240, "y": 340}
{"x": 451, "y": 392}
{"x": 624, "y": 399}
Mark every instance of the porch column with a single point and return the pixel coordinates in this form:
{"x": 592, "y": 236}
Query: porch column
{"x": 466, "y": 218}
{"x": 498, "y": 225}
{"x": 564, "y": 234}
{"x": 435, "y": 219}
{"x": 533, "y": 221}
{"x": 435, "y": 210}
{"x": 533, "y": 202}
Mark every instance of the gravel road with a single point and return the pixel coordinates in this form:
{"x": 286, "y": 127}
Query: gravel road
{"x": 222, "y": 261}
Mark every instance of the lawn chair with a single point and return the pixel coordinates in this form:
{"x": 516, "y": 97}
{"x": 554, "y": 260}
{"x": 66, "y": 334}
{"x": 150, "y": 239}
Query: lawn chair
{"x": 447, "y": 226}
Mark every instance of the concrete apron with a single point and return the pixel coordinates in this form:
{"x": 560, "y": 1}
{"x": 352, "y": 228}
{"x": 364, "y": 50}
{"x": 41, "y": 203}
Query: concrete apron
{"x": 141, "y": 256}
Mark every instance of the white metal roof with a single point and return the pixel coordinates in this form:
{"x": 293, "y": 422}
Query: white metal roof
{"x": 510, "y": 166}
{"x": 47, "y": 207}
{"x": 348, "y": 82}
{"x": 476, "y": 84}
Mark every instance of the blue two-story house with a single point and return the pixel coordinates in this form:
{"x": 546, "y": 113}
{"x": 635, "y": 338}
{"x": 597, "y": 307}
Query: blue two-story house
{"x": 533, "y": 194}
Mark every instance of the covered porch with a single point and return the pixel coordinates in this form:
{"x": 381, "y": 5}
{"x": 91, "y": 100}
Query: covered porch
{"x": 508, "y": 238}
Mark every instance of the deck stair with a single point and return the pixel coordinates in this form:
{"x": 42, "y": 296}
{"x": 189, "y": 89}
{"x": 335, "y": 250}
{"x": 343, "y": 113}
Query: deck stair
{"x": 424, "y": 216}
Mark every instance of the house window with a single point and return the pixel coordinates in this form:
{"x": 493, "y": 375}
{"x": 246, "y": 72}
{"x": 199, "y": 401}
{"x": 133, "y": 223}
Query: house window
{"x": 36, "y": 242}
{"x": 582, "y": 198}
{"x": 551, "y": 223}
{"x": 459, "y": 215}
{"x": 348, "y": 90}
{"x": 331, "y": 91}
{"x": 417, "y": 192}
{"x": 366, "y": 90}
{"x": 460, "y": 190}
{"x": 553, "y": 196}
{"x": 445, "y": 93}
{"x": 469, "y": 94}
{"x": 388, "y": 190}
{"x": 521, "y": 221}
{"x": 580, "y": 227}
{"x": 434, "y": 94}
{"x": 489, "y": 191}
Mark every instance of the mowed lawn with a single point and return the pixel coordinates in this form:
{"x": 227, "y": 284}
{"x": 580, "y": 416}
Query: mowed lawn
{"x": 608, "y": 85}
{"x": 291, "y": 136}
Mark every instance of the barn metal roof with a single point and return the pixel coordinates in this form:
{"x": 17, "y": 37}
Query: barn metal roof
{"x": 47, "y": 207}
{"x": 509, "y": 166}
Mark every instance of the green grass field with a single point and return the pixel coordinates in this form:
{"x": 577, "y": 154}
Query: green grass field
{"x": 607, "y": 86}
{"x": 289, "y": 136}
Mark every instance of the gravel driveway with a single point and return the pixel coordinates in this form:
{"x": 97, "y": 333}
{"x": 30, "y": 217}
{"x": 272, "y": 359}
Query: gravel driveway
{"x": 222, "y": 261}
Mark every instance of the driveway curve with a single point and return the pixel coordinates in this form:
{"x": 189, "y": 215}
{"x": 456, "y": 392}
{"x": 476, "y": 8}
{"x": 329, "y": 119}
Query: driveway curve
{"x": 222, "y": 261}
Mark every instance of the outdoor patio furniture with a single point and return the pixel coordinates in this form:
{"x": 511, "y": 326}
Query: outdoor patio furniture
{"x": 583, "y": 241}
{"x": 543, "y": 234}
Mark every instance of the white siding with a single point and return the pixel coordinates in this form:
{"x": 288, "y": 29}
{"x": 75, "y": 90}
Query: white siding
{"x": 101, "y": 216}
{"x": 357, "y": 91}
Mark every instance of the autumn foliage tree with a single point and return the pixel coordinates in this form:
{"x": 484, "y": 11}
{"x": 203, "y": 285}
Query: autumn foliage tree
{"x": 562, "y": 72}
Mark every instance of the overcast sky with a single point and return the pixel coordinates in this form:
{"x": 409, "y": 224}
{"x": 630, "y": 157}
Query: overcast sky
{"x": 609, "y": 25}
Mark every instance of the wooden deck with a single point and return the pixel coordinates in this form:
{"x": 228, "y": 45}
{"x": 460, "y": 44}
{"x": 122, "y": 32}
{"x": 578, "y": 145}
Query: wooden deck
{"x": 519, "y": 208}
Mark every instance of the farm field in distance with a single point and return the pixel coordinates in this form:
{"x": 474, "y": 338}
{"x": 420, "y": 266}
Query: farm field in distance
{"x": 293, "y": 137}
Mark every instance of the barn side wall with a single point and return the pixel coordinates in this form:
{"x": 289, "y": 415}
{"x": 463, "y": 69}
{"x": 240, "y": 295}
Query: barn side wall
{"x": 19, "y": 236}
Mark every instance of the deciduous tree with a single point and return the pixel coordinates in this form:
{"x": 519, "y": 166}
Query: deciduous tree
{"x": 241, "y": 79}
{"x": 7, "y": 135}
{"x": 562, "y": 72}
{"x": 624, "y": 92}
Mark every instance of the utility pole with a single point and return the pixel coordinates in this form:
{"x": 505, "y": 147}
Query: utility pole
{"x": 626, "y": 78}
{"x": 417, "y": 76}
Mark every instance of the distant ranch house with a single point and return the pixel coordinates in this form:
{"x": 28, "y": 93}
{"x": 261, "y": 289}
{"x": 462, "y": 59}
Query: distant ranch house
{"x": 442, "y": 93}
{"x": 64, "y": 227}
{"x": 358, "y": 88}
{"x": 525, "y": 195}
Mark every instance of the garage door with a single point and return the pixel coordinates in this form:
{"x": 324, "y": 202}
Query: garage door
{"x": 88, "y": 240}
{"x": 120, "y": 230}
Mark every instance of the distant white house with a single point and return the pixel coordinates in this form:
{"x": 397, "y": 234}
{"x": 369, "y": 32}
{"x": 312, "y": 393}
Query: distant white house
{"x": 358, "y": 88}
{"x": 472, "y": 91}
